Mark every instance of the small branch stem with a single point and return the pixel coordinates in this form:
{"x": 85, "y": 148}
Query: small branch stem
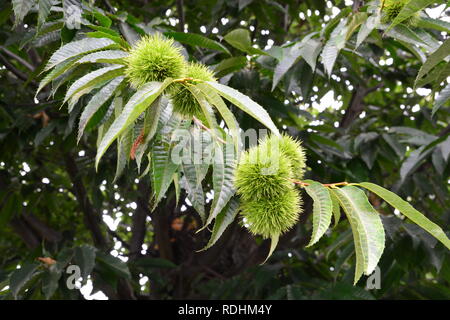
{"x": 181, "y": 16}
{"x": 183, "y": 79}
{"x": 200, "y": 123}
{"x": 331, "y": 185}
{"x": 8, "y": 65}
{"x": 18, "y": 58}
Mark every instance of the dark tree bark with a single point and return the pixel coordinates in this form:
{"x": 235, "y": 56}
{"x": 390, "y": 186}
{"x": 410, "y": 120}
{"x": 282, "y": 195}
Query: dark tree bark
{"x": 138, "y": 229}
{"x": 91, "y": 217}
{"x": 41, "y": 229}
{"x": 181, "y": 18}
{"x": 356, "y": 104}
{"x": 27, "y": 235}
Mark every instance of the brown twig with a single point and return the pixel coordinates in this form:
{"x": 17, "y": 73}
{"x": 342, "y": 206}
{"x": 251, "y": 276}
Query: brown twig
{"x": 356, "y": 106}
{"x": 183, "y": 79}
{"x": 19, "y": 59}
{"x": 181, "y": 17}
{"x": 200, "y": 123}
{"x": 91, "y": 217}
{"x": 8, "y": 65}
{"x": 331, "y": 185}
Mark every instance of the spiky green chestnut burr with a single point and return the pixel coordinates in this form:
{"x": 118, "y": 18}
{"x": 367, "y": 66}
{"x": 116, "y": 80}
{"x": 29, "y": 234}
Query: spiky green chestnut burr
{"x": 263, "y": 174}
{"x": 184, "y": 102}
{"x": 293, "y": 150}
{"x": 270, "y": 203}
{"x": 269, "y": 217}
{"x": 154, "y": 58}
{"x": 391, "y": 10}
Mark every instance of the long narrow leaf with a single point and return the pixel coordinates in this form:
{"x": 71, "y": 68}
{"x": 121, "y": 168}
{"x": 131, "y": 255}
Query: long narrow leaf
{"x": 322, "y": 209}
{"x": 96, "y": 102}
{"x": 245, "y": 104}
{"x": 410, "y": 9}
{"x": 409, "y": 211}
{"x": 76, "y": 48}
{"x": 223, "y": 220}
{"x": 135, "y": 106}
{"x": 367, "y": 228}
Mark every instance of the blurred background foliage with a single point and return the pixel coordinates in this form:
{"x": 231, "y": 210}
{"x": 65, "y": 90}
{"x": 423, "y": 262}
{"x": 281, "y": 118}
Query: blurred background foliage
{"x": 356, "y": 107}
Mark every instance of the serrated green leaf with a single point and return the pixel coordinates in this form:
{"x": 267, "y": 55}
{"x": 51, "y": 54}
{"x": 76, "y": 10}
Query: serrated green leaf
{"x": 322, "y": 210}
{"x": 20, "y": 277}
{"x": 137, "y": 104}
{"x": 368, "y": 26}
{"x": 151, "y": 123}
{"x": 342, "y": 239}
{"x": 66, "y": 77}
{"x": 403, "y": 33}
{"x": 162, "y": 170}
{"x": 194, "y": 39}
{"x": 441, "y": 99}
{"x": 104, "y": 30}
{"x": 336, "y": 208}
{"x": 85, "y": 259}
{"x": 229, "y": 65}
{"x": 310, "y": 50}
{"x": 116, "y": 108}
{"x": 240, "y": 39}
{"x": 431, "y": 43}
{"x": 223, "y": 177}
{"x": 437, "y": 75}
{"x": 367, "y": 228}
{"x": 356, "y": 20}
{"x": 435, "y": 58}
{"x": 162, "y": 163}
{"x": 104, "y": 20}
{"x": 96, "y": 102}
{"x": 343, "y": 257}
{"x": 101, "y": 116}
{"x": 436, "y": 24}
{"x": 124, "y": 145}
{"x": 408, "y": 10}
{"x": 245, "y": 104}
{"x": 412, "y": 162}
{"x": 193, "y": 189}
{"x": 222, "y": 221}
{"x": 106, "y": 56}
{"x": 21, "y": 8}
{"x": 342, "y": 15}
{"x": 59, "y": 70}
{"x": 117, "y": 39}
{"x": 216, "y": 100}
{"x": 89, "y": 81}
{"x": 206, "y": 109}
{"x": 50, "y": 281}
{"x": 290, "y": 56}
{"x": 273, "y": 244}
{"x": 79, "y": 47}
{"x": 333, "y": 46}
{"x": 406, "y": 209}
{"x": 44, "y": 7}
{"x": 114, "y": 264}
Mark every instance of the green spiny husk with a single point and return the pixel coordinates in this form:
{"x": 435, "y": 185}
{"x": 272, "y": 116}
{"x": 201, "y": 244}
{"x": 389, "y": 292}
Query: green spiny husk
{"x": 293, "y": 150}
{"x": 184, "y": 103}
{"x": 391, "y": 10}
{"x": 269, "y": 201}
{"x": 262, "y": 173}
{"x": 268, "y": 217}
{"x": 154, "y": 58}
